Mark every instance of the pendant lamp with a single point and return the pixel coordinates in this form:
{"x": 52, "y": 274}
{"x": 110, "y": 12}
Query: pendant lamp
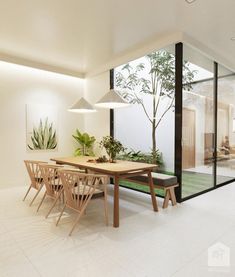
{"x": 82, "y": 106}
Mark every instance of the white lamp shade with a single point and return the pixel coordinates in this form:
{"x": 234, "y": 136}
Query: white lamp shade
{"x": 82, "y": 106}
{"x": 111, "y": 100}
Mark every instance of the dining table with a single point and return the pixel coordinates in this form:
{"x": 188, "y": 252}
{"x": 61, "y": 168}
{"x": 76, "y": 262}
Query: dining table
{"x": 120, "y": 169}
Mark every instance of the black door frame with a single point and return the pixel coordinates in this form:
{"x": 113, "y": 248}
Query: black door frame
{"x": 178, "y": 117}
{"x": 111, "y": 113}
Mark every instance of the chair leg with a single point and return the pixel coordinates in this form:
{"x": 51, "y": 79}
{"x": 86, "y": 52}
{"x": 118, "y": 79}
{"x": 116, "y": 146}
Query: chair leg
{"x": 41, "y": 201}
{"x": 166, "y": 199}
{"x": 57, "y": 222}
{"x": 106, "y": 208}
{"x": 77, "y": 220}
{"x": 62, "y": 197}
{"x": 53, "y": 205}
{"x": 35, "y": 195}
{"x": 27, "y": 192}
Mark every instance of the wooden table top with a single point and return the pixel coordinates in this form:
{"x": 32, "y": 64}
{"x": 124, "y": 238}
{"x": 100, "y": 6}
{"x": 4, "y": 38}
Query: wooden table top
{"x": 118, "y": 167}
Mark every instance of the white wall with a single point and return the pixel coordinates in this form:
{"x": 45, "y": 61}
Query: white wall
{"x": 23, "y": 85}
{"x": 132, "y": 128}
{"x": 97, "y": 124}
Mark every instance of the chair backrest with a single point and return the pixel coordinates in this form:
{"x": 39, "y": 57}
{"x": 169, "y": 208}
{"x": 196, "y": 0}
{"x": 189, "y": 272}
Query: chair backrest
{"x": 80, "y": 187}
{"x": 34, "y": 172}
{"x": 51, "y": 178}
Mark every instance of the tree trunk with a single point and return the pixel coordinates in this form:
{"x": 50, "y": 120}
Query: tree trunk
{"x": 154, "y": 147}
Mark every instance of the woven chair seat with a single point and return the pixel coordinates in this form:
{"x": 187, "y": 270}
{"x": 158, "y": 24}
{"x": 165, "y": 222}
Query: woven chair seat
{"x": 84, "y": 190}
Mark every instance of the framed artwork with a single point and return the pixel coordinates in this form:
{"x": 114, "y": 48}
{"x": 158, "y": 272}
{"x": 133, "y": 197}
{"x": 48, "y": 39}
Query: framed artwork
{"x": 41, "y": 128}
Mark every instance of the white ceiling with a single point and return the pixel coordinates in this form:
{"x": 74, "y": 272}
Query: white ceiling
{"x": 79, "y": 36}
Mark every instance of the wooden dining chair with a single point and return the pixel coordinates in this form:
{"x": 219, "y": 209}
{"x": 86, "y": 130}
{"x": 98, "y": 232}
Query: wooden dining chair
{"x": 35, "y": 176}
{"x": 53, "y": 185}
{"x": 79, "y": 189}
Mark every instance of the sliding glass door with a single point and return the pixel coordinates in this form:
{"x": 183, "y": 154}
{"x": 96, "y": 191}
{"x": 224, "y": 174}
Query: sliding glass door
{"x": 225, "y": 126}
{"x": 208, "y": 125}
{"x": 197, "y": 123}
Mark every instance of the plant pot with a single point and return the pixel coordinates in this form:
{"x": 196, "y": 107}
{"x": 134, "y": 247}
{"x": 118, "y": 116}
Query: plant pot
{"x": 112, "y": 160}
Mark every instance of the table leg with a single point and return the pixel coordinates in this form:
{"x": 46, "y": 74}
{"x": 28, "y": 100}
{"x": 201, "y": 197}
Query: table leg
{"x": 116, "y": 202}
{"x": 151, "y": 186}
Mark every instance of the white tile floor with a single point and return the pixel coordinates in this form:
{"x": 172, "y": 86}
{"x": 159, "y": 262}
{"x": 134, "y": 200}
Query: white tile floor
{"x": 173, "y": 242}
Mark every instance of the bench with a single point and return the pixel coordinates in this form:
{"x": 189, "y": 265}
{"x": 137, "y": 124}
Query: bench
{"x": 161, "y": 181}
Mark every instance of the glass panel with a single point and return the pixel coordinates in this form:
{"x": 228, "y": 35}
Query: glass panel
{"x": 226, "y": 126}
{"x": 197, "y": 124}
{"x": 146, "y": 128}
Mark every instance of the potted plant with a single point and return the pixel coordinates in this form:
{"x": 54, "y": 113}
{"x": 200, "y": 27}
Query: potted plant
{"x": 112, "y": 147}
{"x": 86, "y": 143}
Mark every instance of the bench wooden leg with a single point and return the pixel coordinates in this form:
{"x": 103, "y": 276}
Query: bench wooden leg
{"x": 166, "y": 199}
{"x": 172, "y": 196}
{"x": 169, "y": 195}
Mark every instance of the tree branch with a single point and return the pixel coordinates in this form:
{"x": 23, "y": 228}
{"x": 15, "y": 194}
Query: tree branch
{"x": 158, "y": 100}
{"x": 143, "y": 106}
{"x": 171, "y": 104}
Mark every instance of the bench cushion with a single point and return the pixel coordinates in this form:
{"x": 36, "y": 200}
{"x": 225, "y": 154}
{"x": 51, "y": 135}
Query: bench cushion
{"x": 159, "y": 179}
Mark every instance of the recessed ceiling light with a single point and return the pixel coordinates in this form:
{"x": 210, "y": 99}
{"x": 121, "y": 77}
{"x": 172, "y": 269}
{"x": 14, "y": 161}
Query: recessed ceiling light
{"x": 190, "y": 1}
{"x": 233, "y": 38}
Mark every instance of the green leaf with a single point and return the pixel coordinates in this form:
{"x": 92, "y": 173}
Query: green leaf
{"x": 85, "y": 141}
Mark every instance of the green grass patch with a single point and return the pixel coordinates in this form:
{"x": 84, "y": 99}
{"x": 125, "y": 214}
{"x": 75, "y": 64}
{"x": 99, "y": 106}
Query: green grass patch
{"x": 194, "y": 182}
{"x": 140, "y": 187}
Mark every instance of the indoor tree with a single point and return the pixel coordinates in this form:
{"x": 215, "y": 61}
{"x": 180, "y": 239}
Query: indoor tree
{"x": 154, "y": 77}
